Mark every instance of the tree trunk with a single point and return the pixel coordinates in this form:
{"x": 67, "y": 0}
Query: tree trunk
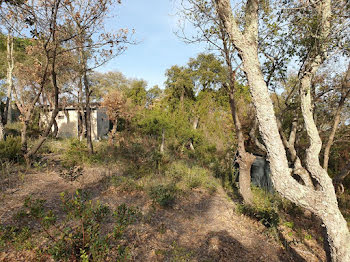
{"x": 88, "y": 115}
{"x": 345, "y": 90}
{"x": 81, "y": 114}
{"x": 163, "y": 142}
{"x": 245, "y": 163}
{"x": 24, "y": 139}
{"x": 10, "y": 65}
{"x": 194, "y": 126}
{"x": 322, "y": 201}
{"x": 83, "y": 64}
{"x": 2, "y": 131}
{"x": 245, "y": 159}
{"x": 55, "y": 129}
{"x": 113, "y": 132}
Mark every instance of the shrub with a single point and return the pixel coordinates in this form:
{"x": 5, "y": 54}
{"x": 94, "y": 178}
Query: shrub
{"x": 13, "y": 129}
{"x": 264, "y": 208}
{"x": 76, "y": 153}
{"x": 79, "y": 236}
{"x": 191, "y": 177}
{"x": 125, "y": 184}
{"x": 164, "y": 195}
{"x": 10, "y": 149}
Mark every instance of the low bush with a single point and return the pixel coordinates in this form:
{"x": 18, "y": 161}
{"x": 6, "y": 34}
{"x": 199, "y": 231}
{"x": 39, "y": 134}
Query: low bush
{"x": 125, "y": 184}
{"x": 13, "y": 129}
{"x": 164, "y": 195}
{"x": 264, "y": 208}
{"x": 10, "y": 149}
{"x": 76, "y": 153}
{"x": 189, "y": 177}
{"x": 78, "y": 236}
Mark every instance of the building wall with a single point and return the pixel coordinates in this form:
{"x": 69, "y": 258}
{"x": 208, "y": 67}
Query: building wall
{"x": 94, "y": 135}
{"x": 67, "y": 122}
{"x": 102, "y": 123}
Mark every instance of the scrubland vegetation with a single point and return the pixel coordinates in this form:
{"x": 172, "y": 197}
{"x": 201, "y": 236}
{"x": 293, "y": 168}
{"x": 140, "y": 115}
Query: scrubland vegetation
{"x": 171, "y": 181}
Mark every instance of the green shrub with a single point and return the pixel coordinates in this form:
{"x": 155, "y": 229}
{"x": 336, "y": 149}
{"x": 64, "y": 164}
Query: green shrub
{"x": 20, "y": 238}
{"x": 125, "y": 184}
{"x": 79, "y": 233}
{"x": 13, "y": 129}
{"x": 189, "y": 177}
{"x": 264, "y": 208}
{"x": 268, "y": 217}
{"x": 164, "y": 195}
{"x": 10, "y": 149}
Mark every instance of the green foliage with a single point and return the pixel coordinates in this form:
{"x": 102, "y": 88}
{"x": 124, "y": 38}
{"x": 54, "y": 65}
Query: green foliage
{"x": 125, "y": 215}
{"x": 79, "y": 234}
{"x": 125, "y": 184}
{"x": 187, "y": 177}
{"x": 264, "y": 208}
{"x": 20, "y": 238}
{"x": 13, "y": 129}
{"x": 76, "y": 153}
{"x": 289, "y": 224}
{"x": 137, "y": 92}
{"x": 207, "y": 71}
{"x": 10, "y": 149}
{"x": 164, "y": 195}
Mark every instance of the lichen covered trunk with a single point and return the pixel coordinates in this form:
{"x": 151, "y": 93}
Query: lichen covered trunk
{"x": 245, "y": 163}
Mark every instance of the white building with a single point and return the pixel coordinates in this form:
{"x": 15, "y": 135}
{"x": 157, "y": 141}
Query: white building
{"x": 68, "y": 124}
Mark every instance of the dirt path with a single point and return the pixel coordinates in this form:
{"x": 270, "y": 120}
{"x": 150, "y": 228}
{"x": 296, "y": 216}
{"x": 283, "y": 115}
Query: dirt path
{"x": 200, "y": 227}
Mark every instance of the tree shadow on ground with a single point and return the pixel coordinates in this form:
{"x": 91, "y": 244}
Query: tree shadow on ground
{"x": 215, "y": 245}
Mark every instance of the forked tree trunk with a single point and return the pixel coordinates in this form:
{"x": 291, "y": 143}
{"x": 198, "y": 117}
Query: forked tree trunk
{"x": 53, "y": 55}
{"x": 245, "y": 159}
{"x": 322, "y": 202}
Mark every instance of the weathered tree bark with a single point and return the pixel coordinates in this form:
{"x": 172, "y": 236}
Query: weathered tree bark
{"x": 9, "y": 82}
{"x": 24, "y": 139}
{"x": 194, "y": 126}
{"x": 2, "y": 131}
{"x": 345, "y": 92}
{"x": 244, "y": 159}
{"x": 162, "y": 146}
{"x": 289, "y": 144}
{"x": 321, "y": 202}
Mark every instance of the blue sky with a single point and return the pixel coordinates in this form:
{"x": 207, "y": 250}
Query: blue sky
{"x": 154, "y": 22}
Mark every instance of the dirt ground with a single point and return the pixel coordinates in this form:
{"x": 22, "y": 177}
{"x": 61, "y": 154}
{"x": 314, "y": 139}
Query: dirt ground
{"x": 200, "y": 227}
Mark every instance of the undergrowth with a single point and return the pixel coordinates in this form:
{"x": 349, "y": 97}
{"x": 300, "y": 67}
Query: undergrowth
{"x": 82, "y": 233}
